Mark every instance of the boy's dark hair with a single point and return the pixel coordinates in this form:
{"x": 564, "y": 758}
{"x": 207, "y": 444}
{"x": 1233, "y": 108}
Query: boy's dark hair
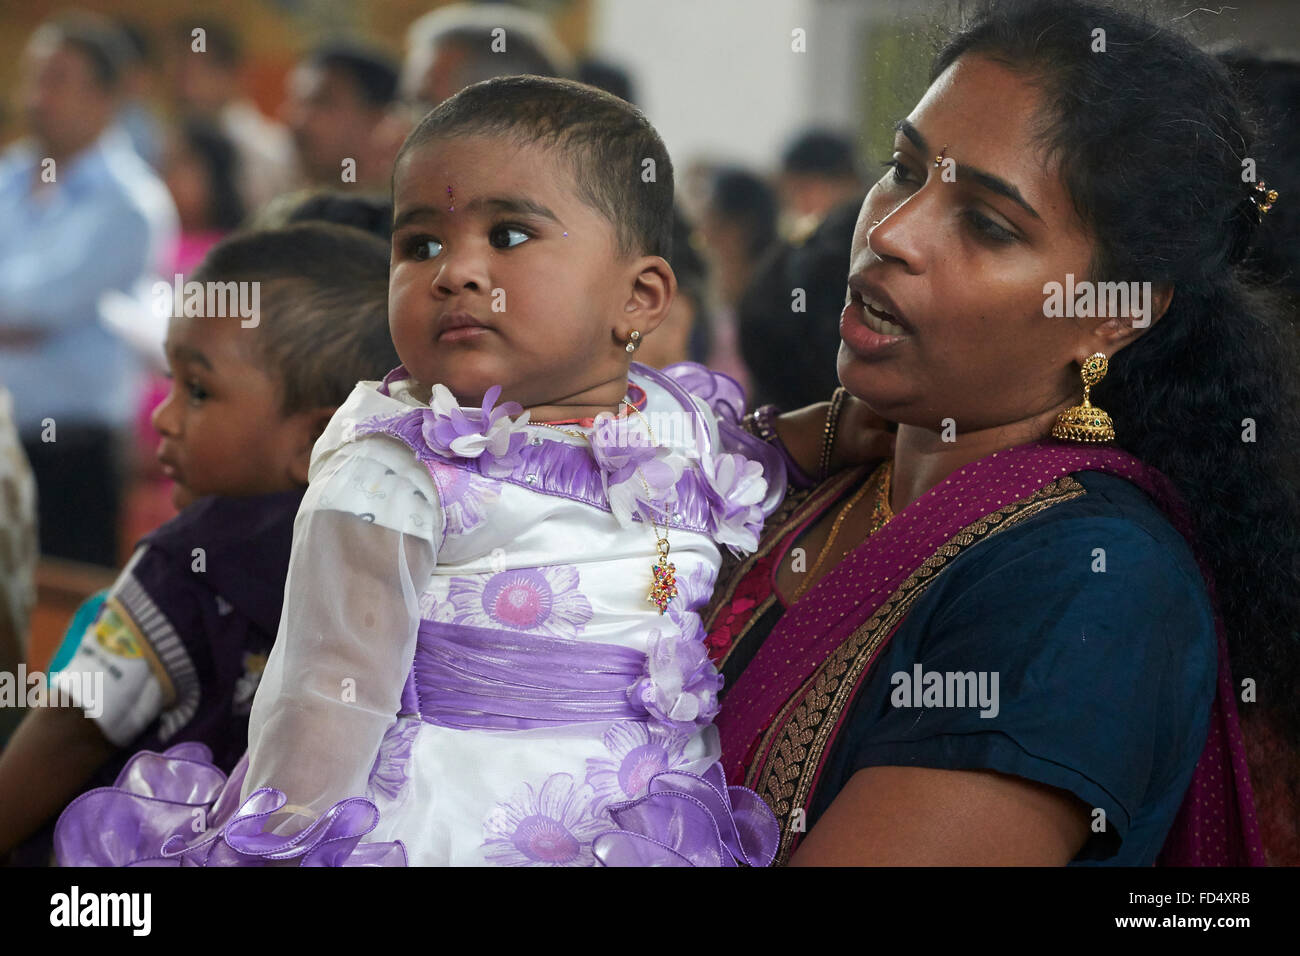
{"x": 324, "y": 307}
{"x": 606, "y": 139}
{"x": 370, "y": 71}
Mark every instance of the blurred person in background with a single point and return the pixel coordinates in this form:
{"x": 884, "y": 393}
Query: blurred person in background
{"x": 737, "y": 226}
{"x": 80, "y": 214}
{"x": 339, "y": 96}
{"x": 818, "y": 172}
{"x": 607, "y": 76}
{"x": 134, "y": 113}
{"x": 208, "y": 83}
{"x": 454, "y": 46}
{"x": 201, "y": 169}
{"x": 790, "y": 314}
{"x": 684, "y": 334}
{"x": 449, "y": 48}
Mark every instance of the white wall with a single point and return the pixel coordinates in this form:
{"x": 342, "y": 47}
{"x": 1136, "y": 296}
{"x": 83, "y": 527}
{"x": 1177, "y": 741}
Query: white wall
{"x": 718, "y": 78}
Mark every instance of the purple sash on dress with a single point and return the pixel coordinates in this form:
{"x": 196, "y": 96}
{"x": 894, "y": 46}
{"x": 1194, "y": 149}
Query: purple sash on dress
{"x": 1216, "y": 824}
{"x": 478, "y": 678}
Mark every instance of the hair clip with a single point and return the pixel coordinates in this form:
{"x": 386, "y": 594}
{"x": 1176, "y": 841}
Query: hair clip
{"x": 1263, "y": 198}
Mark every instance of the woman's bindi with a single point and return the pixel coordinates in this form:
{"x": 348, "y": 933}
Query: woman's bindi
{"x": 451, "y": 200}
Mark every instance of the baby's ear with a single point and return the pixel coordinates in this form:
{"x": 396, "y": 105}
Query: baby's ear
{"x": 651, "y": 296}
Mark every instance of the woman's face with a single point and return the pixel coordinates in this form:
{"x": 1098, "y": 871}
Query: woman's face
{"x": 957, "y": 262}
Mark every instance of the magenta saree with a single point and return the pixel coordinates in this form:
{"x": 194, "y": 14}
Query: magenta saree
{"x": 782, "y": 716}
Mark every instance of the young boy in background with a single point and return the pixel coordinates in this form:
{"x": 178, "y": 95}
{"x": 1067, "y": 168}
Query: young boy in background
{"x": 183, "y": 634}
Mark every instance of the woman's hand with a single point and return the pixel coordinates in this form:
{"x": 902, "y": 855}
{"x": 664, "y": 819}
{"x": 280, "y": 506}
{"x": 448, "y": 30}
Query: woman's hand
{"x": 861, "y": 436}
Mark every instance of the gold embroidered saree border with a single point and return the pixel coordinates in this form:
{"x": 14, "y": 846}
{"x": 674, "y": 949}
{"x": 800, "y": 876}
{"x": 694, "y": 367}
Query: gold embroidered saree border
{"x": 790, "y": 754}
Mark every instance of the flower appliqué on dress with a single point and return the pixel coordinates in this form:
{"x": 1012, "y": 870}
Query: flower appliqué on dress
{"x": 465, "y": 496}
{"x": 637, "y": 751}
{"x": 735, "y": 486}
{"x": 638, "y": 475}
{"x": 492, "y": 435}
{"x": 542, "y": 600}
{"x": 680, "y": 685}
{"x": 550, "y": 826}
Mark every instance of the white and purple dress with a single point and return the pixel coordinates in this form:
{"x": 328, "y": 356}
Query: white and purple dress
{"x": 468, "y": 670}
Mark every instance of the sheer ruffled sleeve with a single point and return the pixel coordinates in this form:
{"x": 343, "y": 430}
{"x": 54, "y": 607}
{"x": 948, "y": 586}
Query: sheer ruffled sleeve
{"x": 364, "y": 546}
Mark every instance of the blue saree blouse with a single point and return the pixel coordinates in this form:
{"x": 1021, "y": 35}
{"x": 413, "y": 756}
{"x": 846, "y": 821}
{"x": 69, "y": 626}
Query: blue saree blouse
{"x": 1075, "y": 649}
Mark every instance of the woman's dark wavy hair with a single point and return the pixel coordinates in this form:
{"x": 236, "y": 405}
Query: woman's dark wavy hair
{"x": 1151, "y": 137}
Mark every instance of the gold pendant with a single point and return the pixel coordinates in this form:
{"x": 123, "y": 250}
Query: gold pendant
{"x": 664, "y": 587}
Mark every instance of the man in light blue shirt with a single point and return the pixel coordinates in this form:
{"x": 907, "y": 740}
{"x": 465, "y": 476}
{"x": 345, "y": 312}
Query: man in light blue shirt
{"x": 80, "y": 214}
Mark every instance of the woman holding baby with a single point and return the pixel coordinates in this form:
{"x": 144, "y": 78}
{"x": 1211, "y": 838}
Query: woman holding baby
{"x": 1035, "y": 633}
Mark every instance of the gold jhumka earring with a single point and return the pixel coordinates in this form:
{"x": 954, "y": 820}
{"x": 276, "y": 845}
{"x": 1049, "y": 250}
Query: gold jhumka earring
{"x": 1087, "y": 422}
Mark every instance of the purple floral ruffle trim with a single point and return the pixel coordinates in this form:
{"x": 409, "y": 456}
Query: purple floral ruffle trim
{"x": 690, "y": 820}
{"x": 178, "y": 809}
{"x": 728, "y": 496}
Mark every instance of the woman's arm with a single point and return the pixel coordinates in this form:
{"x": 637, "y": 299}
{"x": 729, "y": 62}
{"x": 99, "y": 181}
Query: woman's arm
{"x": 916, "y": 816}
{"x": 861, "y": 436}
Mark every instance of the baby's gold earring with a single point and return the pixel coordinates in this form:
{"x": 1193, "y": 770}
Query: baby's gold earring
{"x": 634, "y": 341}
{"x": 1087, "y": 422}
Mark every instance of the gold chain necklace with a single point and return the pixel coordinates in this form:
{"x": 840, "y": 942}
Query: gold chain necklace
{"x": 879, "y": 482}
{"x": 663, "y": 587}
